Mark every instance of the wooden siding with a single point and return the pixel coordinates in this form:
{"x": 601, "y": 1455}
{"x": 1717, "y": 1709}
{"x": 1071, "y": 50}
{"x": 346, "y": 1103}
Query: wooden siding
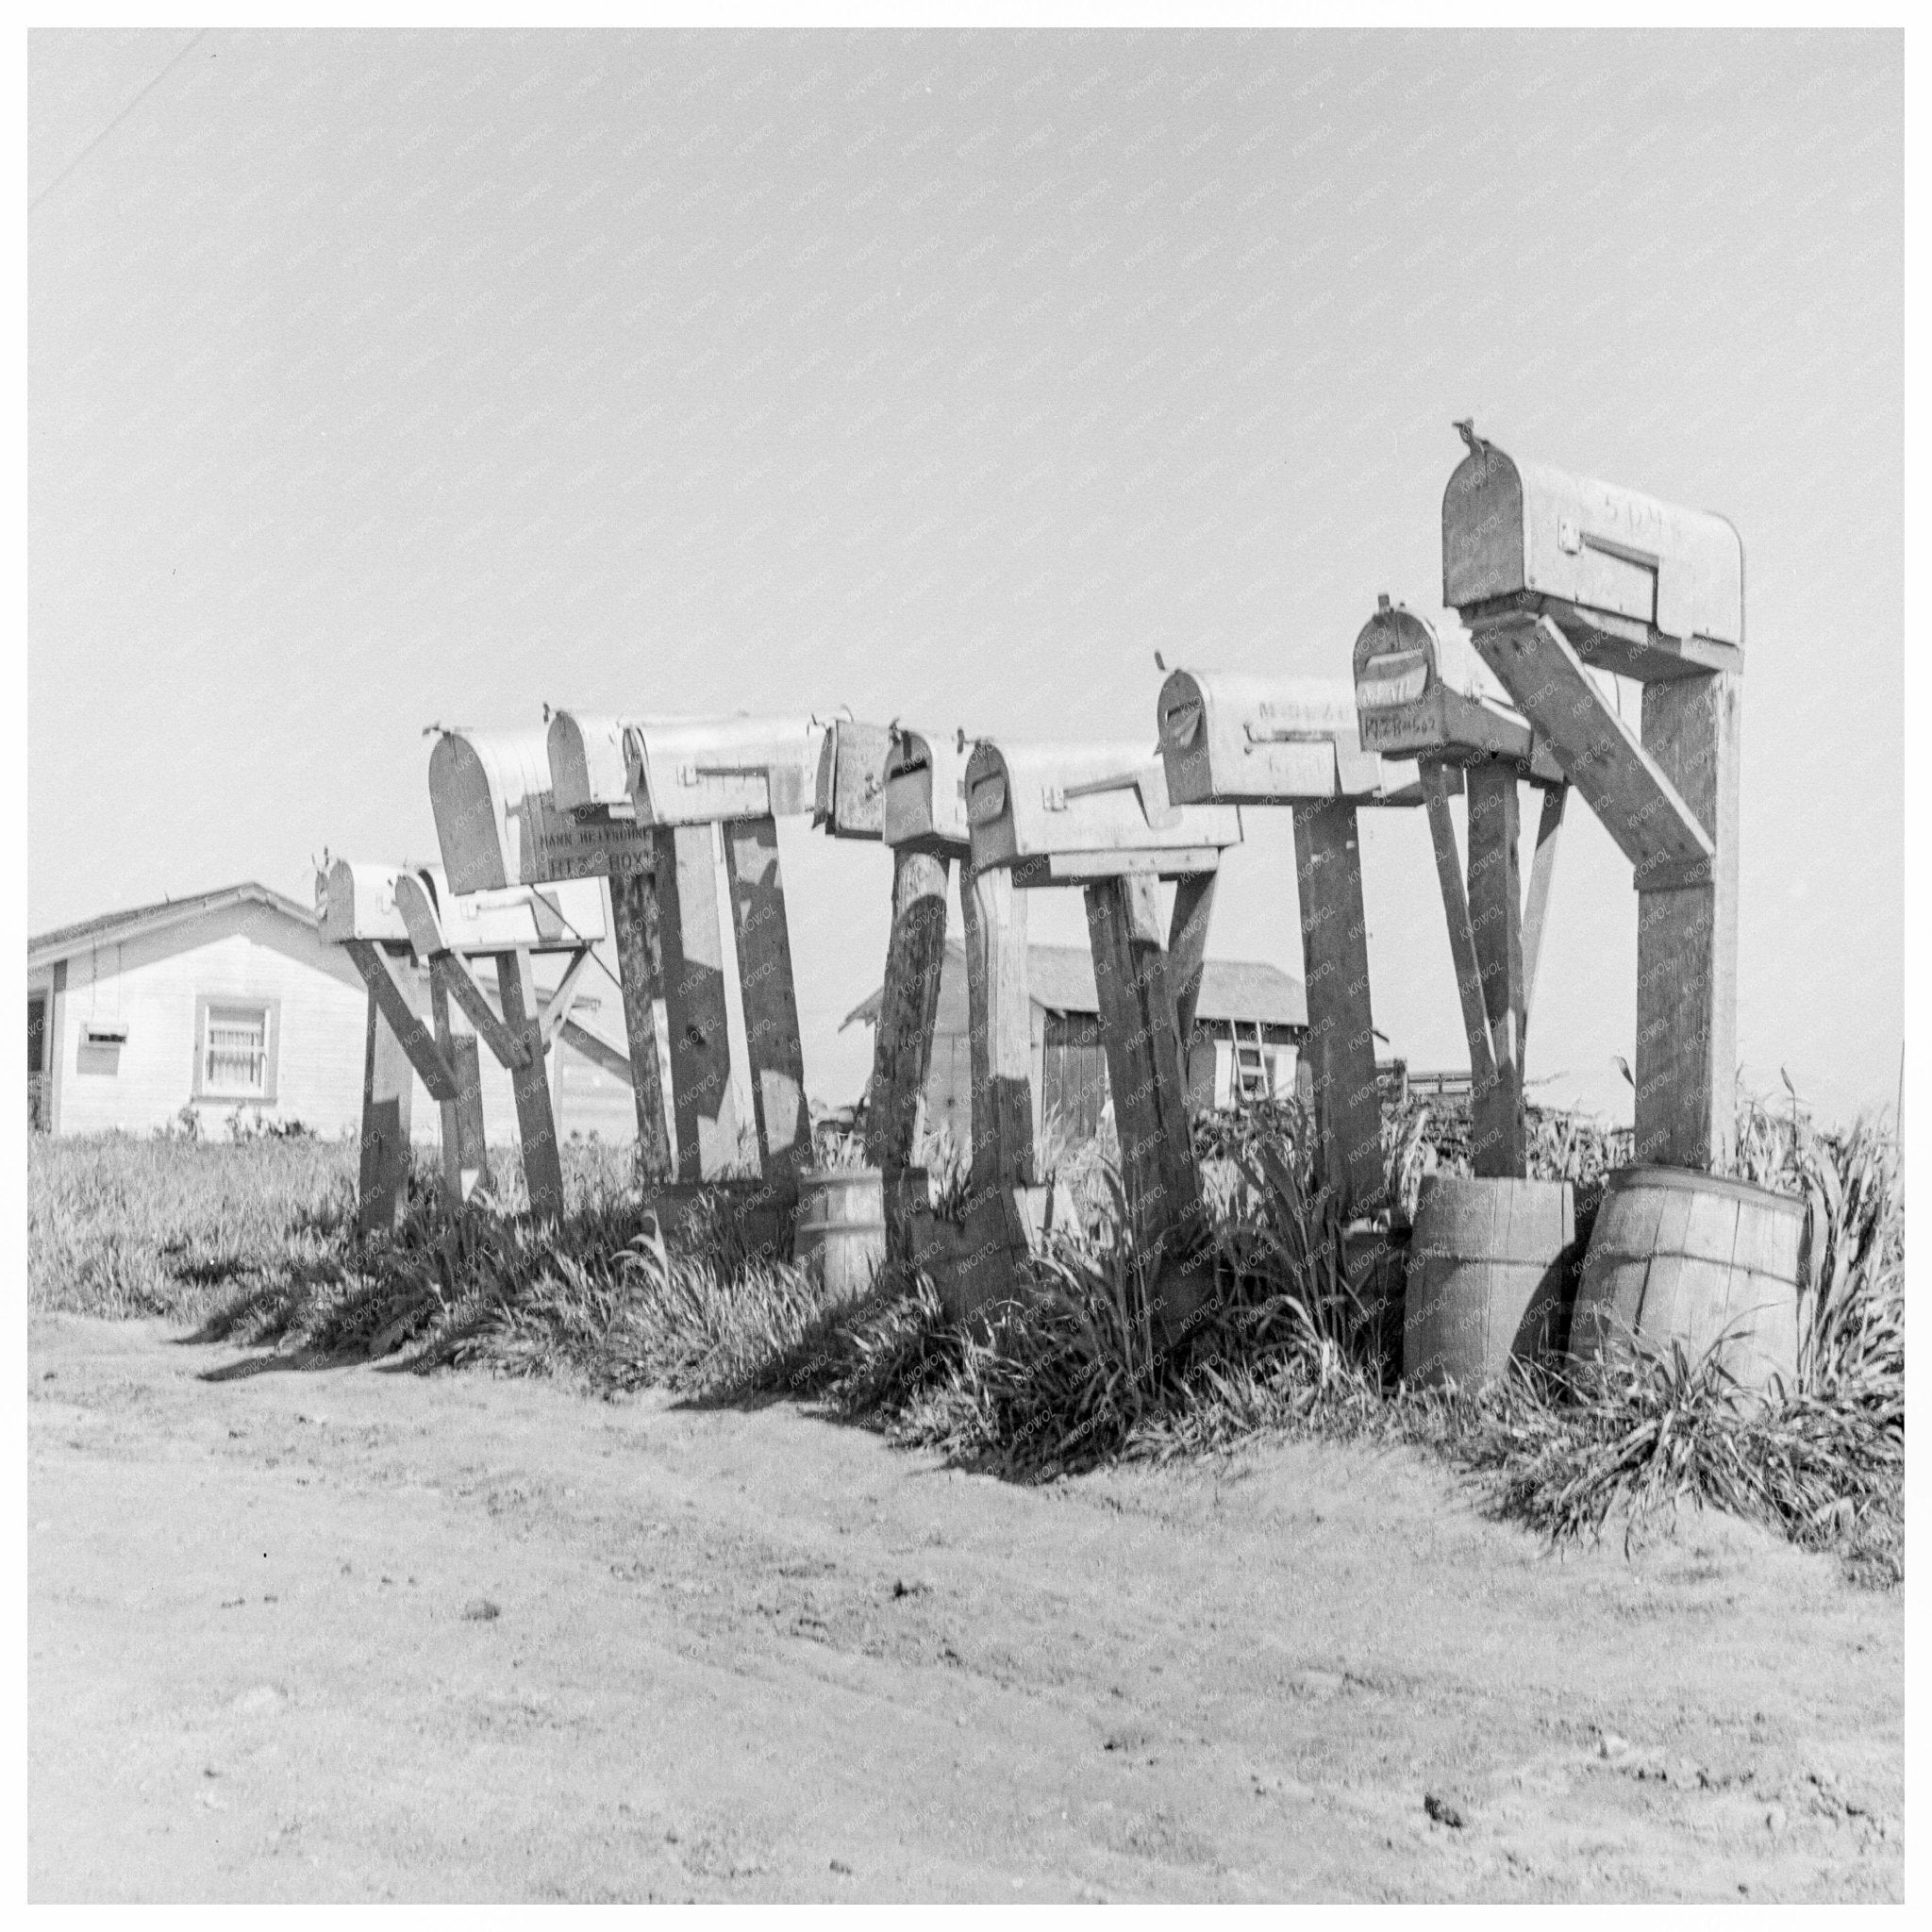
{"x": 250, "y": 953}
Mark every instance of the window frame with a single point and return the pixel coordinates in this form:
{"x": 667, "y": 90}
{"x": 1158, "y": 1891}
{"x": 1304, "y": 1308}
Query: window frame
{"x": 271, "y": 1011}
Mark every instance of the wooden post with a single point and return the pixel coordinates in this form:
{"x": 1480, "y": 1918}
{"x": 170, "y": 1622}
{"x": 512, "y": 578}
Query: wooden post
{"x": 1536, "y": 907}
{"x": 1687, "y": 935}
{"x": 999, "y": 1028}
{"x": 465, "y": 1149}
{"x": 536, "y": 1124}
{"x": 634, "y": 923}
{"x": 382, "y": 1188}
{"x": 693, "y": 960}
{"x": 771, "y": 1002}
{"x": 1341, "y": 1035}
{"x": 908, "y": 1007}
{"x": 1187, "y": 952}
{"x": 1495, "y": 899}
{"x": 1143, "y": 1067}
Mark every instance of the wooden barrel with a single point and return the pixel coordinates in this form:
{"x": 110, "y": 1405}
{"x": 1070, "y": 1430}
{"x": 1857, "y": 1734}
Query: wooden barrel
{"x": 1487, "y": 1262}
{"x": 842, "y": 1228}
{"x": 1678, "y": 1255}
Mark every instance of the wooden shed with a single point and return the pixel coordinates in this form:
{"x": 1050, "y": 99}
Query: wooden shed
{"x": 1250, "y": 1020}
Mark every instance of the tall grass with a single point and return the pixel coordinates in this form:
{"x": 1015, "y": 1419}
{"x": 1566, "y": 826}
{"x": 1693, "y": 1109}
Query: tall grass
{"x": 256, "y": 1242}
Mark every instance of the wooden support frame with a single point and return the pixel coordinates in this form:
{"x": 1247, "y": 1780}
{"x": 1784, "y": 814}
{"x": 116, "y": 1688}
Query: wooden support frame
{"x": 999, "y": 1027}
{"x": 1341, "y": 1035}
{"x": 1629, "y": 790}
{"x": 516, "y": 990}
{"x": 909, "y": 1010}
{"x": 382, "y": 1179}
{"x": 693, "y": 946}
{"x": 1669, "y": 801}
{"x": 1143, "y": 1062}
{"x": 465, "y": 1142}
{"x": 770, "y": 1000}
{"x": 634, "y": 918}
{"x": 1495, "y": 937}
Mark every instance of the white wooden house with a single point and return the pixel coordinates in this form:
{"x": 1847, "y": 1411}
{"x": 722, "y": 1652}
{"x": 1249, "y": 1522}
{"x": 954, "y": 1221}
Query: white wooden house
{"x": 228, "y": 1003}
{"x": 1249, "y": 1023}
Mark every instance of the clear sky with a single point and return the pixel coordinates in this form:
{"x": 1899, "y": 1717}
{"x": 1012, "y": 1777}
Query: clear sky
{"x": 378, "y": 381}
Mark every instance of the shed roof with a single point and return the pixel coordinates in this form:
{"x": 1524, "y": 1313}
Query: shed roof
{"x": 1060, "y": 978}
{"x": 112, "y": 929}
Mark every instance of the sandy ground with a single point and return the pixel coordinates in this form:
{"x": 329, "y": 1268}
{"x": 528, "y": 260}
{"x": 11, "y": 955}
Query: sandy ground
{"x": 349, "y": 1633}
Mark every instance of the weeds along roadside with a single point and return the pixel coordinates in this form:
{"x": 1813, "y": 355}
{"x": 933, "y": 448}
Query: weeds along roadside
{"x": 1068, "y": 1374}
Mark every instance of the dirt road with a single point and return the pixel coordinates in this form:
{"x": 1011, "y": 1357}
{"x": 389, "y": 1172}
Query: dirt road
{"x": 352, "y": 1634}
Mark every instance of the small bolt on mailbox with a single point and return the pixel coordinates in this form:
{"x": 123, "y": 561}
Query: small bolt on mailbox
{"x": 1556, "y": 575}
{"x": 395, "y": 925}
{"x": 1415, "y": 701}
{"x": 1246, "y": 740}
{"x": 1098, "y": 816}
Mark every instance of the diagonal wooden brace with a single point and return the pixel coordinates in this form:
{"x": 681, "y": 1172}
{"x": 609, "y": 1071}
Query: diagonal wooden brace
{"x": 511, "y": 1049}
{"x": 1598, "y": 752}
{"x": 1469, "y": 978}
{"x": 379, "y": 976}
{"x": 556, "y": 1011}
{"x": 1536, "y": 904}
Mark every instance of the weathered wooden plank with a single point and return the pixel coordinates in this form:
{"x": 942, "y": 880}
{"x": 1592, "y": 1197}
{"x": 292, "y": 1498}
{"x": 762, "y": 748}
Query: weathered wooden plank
{"x": 634, "y": 921}
{"x": 1342, "y": 1033}
{"x": 1495, "y": 900}
{"x": 693, "y": 943}
{"x": 1542, "y": 870}
{"x": 1187, "y": 951}
{"x": 595, "y": 1050}
{"x": 908, "y": 1006}
{"x": 417, "y": 1043}
{"x": 382, "y": 1181}
{"x": 1686, "y": 937}
{"x": 999, "y": 1024}
{"x": 557, "y": 1009}
{"x": 508, "y": 1048}
{"x": 516, "y": 989}
{"x": 1143, "y": 1064}
{"x": 1654, "y": 828}
{"x": 770, "y": 996}
{"x": 465, "y": 1145}
{"x": 1475, "y": 1019}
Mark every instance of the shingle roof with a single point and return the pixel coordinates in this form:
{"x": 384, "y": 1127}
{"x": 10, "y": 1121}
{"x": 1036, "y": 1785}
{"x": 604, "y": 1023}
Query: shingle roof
{"x": 1060, "y": 978}
{"x": 108, "y": 928}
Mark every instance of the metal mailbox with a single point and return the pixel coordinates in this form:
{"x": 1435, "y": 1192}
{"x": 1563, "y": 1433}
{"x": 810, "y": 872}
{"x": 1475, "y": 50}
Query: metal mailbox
{"x": 477, "y": 781}
{"x": 925, "y": 793}
{"x": 1233, "y": 738}
{"x": 700, "y": 771}
{"x": 499, "y": 825}
{"x": 587, "y": 769}
{"x": 850, "y": 799}
{"x": 1634, "y": 581}
{"x": 1415, "y": 701}
{"x": 358, "y": 901}
{"x": 1087, "y": 811}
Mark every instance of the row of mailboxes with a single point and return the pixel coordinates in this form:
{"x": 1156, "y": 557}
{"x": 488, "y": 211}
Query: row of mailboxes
{"x": 1634, "y": 582}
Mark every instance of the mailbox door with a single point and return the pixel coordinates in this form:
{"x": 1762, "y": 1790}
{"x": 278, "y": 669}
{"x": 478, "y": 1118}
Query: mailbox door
{"x": 925, "y": 793}
{"x": 586, "y": 758}
{"x": 359, "y": 902}
{"x": 851, "y": 797}
{"x": 477, "y": 782}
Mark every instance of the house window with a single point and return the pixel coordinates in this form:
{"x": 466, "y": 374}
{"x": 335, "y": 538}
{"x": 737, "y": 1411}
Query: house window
{"x": 235, "y": 1056}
